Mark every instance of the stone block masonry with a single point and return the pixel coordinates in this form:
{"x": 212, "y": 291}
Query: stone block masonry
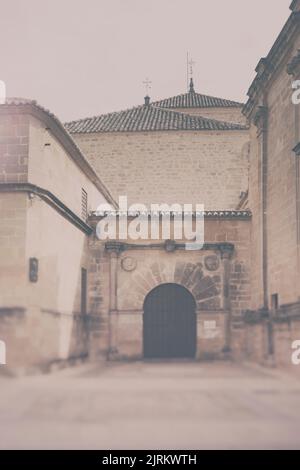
{"x": 208, "y": 168}
{"x": 14, "y": 143}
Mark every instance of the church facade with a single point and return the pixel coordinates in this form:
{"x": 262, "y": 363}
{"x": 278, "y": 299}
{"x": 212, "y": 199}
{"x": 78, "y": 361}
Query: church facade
{"x": 67, "y": 294}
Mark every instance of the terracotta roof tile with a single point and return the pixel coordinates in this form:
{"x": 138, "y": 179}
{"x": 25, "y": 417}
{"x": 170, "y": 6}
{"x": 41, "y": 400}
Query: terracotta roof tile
{"x": 148, "y": 118}
{"x": 196, "y": 100}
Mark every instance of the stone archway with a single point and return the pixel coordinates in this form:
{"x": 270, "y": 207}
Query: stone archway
{"x": 169, "y": 323}
{"x": 204, "y": 284}
{"x": 136, "y": 270}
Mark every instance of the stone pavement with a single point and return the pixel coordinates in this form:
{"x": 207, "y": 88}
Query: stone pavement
{"x": 151, "y": 405}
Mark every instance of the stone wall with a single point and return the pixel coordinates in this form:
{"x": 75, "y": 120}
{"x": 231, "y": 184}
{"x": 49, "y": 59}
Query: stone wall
{"x": 283, "y": 261}
{"x": 13, "y": 272}
{"x": 208, "y": 168}
{"x": 284, "y": 334}
{"x": 120, "y": 281}
{"x": 282, "y": 251}
{"x": 41, "y": 322}
{"x": 273, "y": 323}
{"x": 52, "y": 168}
{"x": 14, "y": 142}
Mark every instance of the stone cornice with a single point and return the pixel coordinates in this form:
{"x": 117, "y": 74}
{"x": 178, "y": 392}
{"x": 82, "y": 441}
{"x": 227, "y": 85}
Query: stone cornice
{"x": 226, "y": 249}
{"x": 232, "y": 214}
{"x": 52, "y": 123}
{"x": 50, "y": 199}
{"x": 268, "y": 66}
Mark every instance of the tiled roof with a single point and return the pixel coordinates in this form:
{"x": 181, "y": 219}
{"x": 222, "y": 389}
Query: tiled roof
{"x": 148, "y": 118}
{"x": 196, "y": 100}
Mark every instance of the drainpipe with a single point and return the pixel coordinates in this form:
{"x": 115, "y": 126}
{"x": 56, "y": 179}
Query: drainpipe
{"x": 261, "y": 122}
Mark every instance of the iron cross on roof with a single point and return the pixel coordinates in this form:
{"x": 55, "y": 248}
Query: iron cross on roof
{"x": 191, "y": 65}
{"x": 147, "y": 84}
{"x": 189, "y": 72}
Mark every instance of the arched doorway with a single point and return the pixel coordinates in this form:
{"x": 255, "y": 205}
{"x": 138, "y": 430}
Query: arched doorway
{"x": 170, "y": 325}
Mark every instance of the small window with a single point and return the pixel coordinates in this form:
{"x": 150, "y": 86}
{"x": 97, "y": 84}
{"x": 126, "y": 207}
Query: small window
{"x": 84, "y": 204}
{"x": 83, "y": 291}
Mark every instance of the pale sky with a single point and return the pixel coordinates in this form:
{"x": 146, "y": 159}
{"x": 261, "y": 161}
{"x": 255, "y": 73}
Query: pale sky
{"x": 84, "y": 58}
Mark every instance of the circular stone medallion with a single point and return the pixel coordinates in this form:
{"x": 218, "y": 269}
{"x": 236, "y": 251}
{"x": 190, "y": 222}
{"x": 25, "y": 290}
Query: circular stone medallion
{"x": 128, "y": 264}
{"x": 212, "y": 263}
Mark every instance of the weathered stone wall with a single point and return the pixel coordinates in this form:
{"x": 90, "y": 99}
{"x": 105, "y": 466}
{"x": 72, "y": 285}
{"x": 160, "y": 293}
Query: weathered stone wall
{"x": 284, "y": 335}
{"x": 50, "y": 326}
{"x": 13, "y": 216}
{"x": 256, "y": 342}
{"x": 275, "y": 131}
{"x": 14, "y": 141}
{"x": 283, "y": 268}
{"x": 283, "y": 248}
{"x": 41, "y": 321}
{"x": 52, "y": 168}
{"x": 221, "y": 294}
{"x": 99, "y": 298}
{"x": 208, "y": 168}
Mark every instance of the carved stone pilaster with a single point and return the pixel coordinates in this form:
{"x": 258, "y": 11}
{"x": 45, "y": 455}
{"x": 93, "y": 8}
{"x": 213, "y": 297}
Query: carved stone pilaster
{"x": 113, "y": 280}
{"x": 113, "y": 249}
{"x": 226, "y": 250}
